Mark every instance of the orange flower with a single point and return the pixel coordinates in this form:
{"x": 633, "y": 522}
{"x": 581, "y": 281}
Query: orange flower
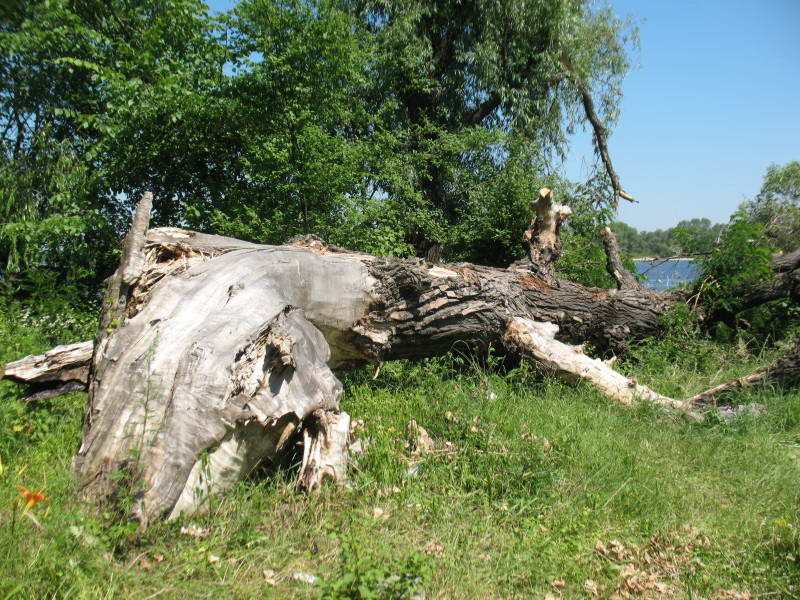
{"x": 31, "y": 498}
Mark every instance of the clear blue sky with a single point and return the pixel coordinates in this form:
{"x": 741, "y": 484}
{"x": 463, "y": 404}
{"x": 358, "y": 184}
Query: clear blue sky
{"x": 713, "y": 100}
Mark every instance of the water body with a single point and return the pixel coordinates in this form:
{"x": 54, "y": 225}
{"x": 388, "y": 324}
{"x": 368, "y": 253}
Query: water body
{"x": 663, "y": 274}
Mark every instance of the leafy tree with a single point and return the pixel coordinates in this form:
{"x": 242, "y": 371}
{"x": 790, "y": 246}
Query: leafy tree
{"x": 742, "y": 256}
{"x": 389, "y": 127}
{"x": 645, "y": 243}
{"x": 777, "y": 205}
{"x": 741, "y": 259}
{"x": 697, "y": 236}
{"x": 89, "y": 96}
{"x": 294, "y": 96}
{"x": 473, "y": 98}
{"x": 692, "y": 237}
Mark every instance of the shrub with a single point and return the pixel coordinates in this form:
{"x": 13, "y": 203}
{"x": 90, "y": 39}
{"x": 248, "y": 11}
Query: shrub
{"x": 741, "y": 258}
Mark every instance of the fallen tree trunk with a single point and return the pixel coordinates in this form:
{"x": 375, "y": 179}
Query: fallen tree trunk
{"x": 215, "y": 355}
{"x": 784, "y": 372}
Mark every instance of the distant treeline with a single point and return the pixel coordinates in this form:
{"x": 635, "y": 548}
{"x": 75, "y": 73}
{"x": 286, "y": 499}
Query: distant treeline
{"x": 695, "y": 236}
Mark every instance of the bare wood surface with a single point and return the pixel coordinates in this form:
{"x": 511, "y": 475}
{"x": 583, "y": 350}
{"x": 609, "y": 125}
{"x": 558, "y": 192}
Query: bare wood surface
{"x": 742, "y": 382}
{"x": 544, "y": 241}
{"x": 68, "y": 362}
{"x": 58, "y": 371}
{"x": 536, "y": 341}
{"x": 326, "y": 437}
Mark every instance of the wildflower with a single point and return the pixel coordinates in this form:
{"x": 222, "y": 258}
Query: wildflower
{"x": 31, "y": 498}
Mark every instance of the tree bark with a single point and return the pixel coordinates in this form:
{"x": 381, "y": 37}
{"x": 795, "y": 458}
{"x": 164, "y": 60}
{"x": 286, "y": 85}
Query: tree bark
{"x": 614, "y": 266}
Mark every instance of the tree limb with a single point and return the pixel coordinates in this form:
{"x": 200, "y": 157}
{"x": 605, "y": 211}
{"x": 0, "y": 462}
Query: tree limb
{"x": 485, "y": 108}
{"x": 614, "y": 266}
{"x": 542, "y": 237}
{"x": 58, "y": 371}
{"x": 784, "y": 372}
{"x": 600, "y": 131}
{"x": 536, "y": 342}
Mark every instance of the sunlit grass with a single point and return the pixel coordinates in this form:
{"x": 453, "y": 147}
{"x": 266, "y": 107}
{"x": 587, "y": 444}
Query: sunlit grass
{"x": 536, "y": 474}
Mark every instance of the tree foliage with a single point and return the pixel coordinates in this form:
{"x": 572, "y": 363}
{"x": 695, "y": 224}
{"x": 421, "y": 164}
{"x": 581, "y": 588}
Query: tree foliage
{"x": 777, "y": 205}
{"x": 692, "y": 237}
{"x": 92, "y": 96}
{"x": 742, "y": 256}
{"x": 474, "y": 99}
{"x": 391, "y": 127}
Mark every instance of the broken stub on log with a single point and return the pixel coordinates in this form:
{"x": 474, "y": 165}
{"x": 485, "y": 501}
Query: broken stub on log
{"x": 215, "y": 356}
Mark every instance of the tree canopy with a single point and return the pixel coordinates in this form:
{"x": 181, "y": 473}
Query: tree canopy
{"x": 689, "y": 237}
{"x": 392, "y": 127}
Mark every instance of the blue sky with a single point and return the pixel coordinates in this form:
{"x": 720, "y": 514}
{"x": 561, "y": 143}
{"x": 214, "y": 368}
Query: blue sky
{"x": 713, "y": 100}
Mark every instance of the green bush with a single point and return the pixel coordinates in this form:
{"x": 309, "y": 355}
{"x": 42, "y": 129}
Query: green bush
{"x": 741, "y": 258}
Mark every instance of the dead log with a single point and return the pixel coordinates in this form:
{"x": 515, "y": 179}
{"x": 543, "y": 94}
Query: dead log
{"x": 784, "y": 284}
{"x": 58, "y": 371}
{"x": 614, "y": 266}
{"x": 215, "y": 356}
{"x": 599, "y": 130}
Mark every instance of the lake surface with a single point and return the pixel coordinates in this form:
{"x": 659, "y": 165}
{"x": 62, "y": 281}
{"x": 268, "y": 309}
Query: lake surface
{"x": 664, "y": 274}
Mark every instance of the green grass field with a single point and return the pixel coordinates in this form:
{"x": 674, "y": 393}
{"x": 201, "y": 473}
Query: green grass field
{"x": 536, "y": 488}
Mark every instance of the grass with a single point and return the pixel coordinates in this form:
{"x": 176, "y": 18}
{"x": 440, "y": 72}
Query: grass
{"x": 544, "y": 489}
